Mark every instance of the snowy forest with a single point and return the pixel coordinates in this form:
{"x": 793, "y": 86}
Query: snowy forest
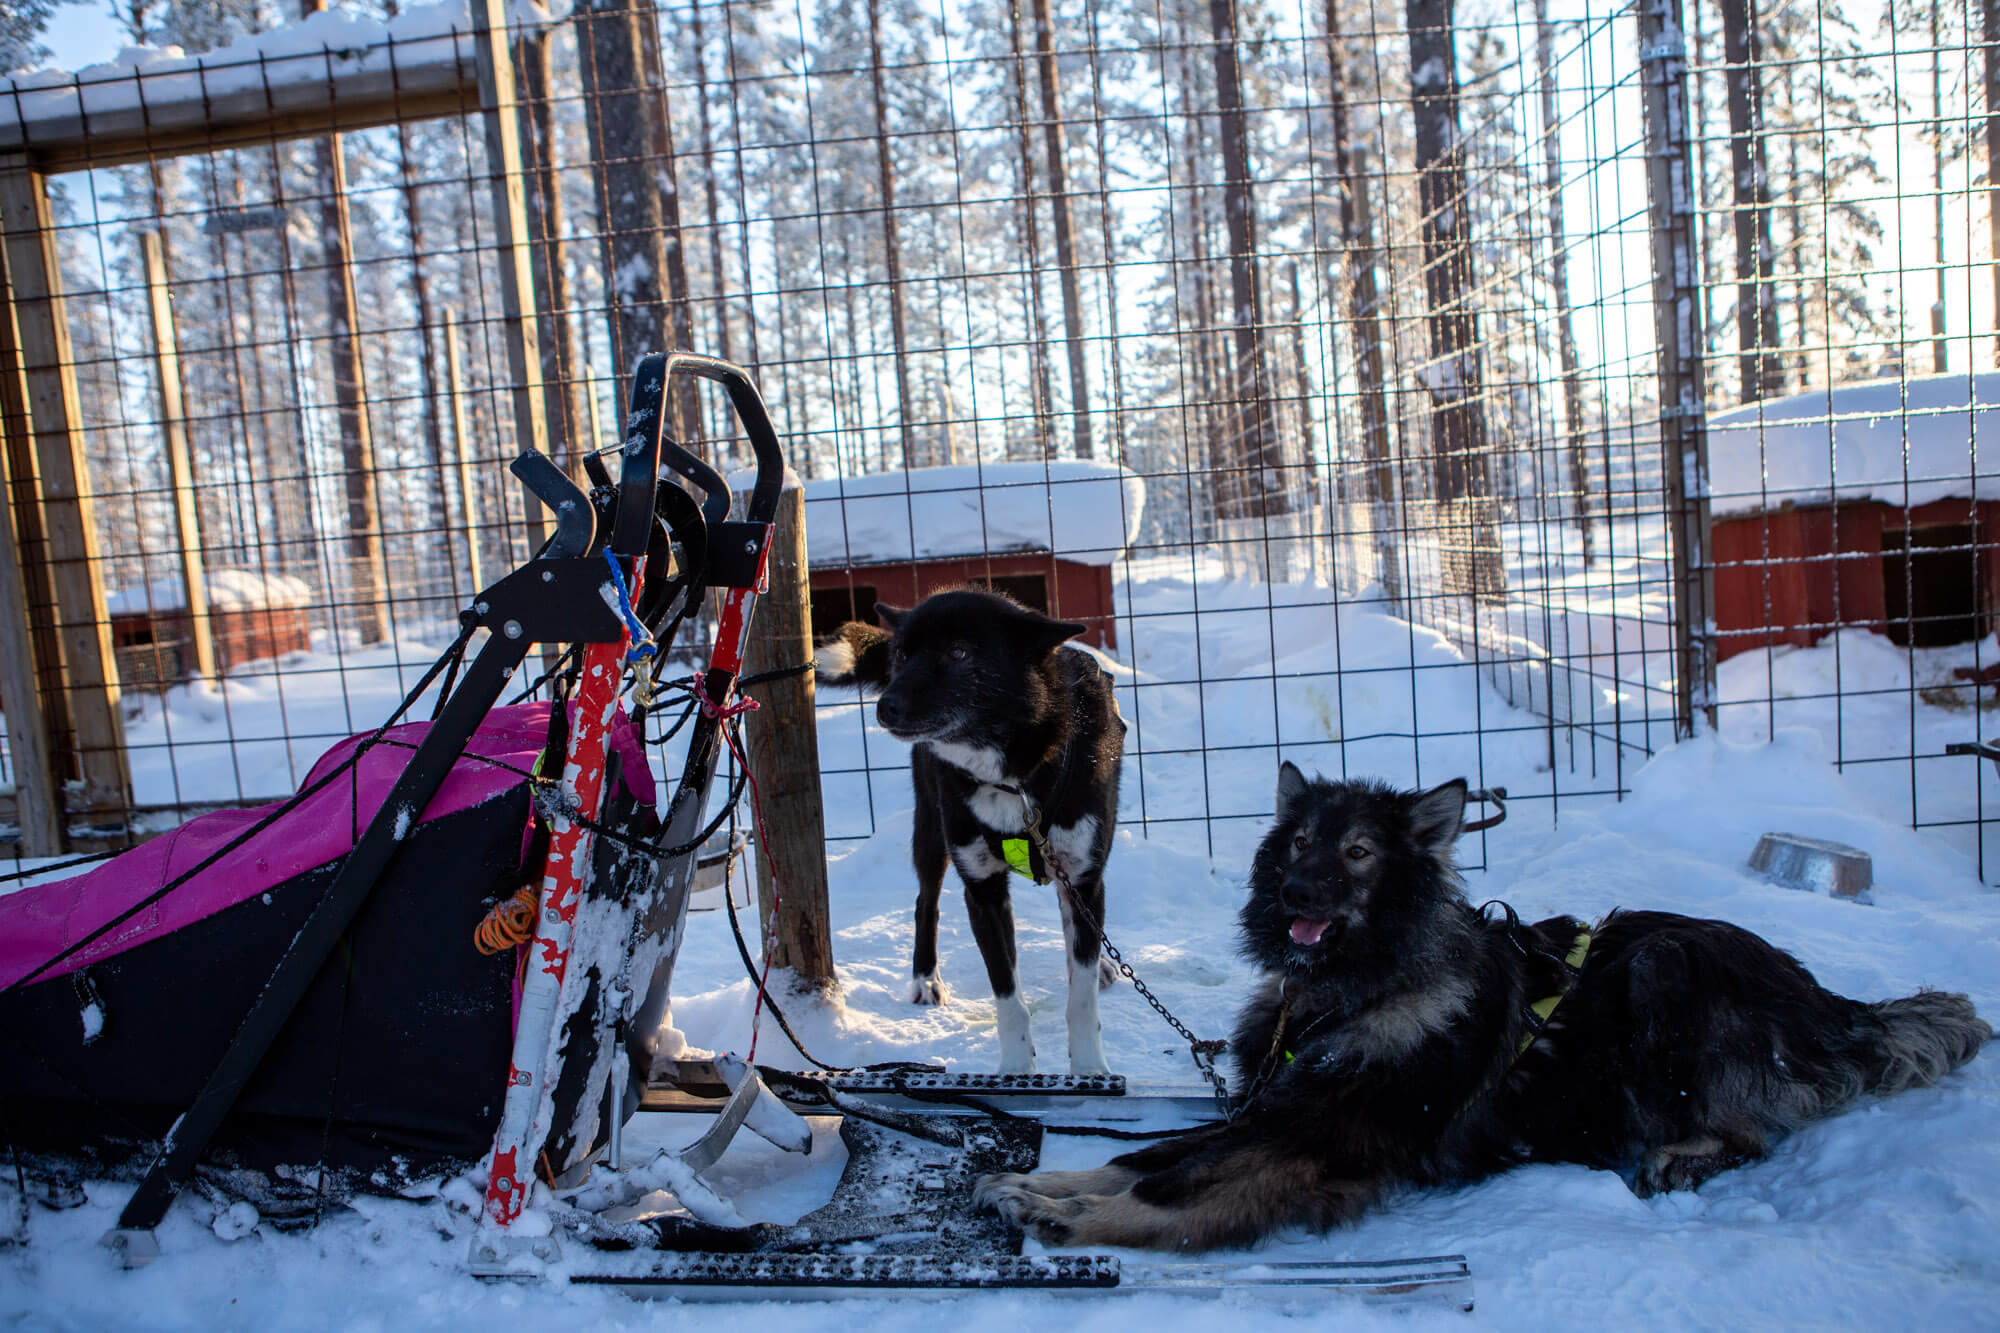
{"x": 1269, "y": 257}
{"x": 1376, "y": 299}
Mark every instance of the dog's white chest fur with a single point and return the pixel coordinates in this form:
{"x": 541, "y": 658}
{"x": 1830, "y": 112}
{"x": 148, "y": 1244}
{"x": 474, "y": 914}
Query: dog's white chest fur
{"x": 992, "y": 806}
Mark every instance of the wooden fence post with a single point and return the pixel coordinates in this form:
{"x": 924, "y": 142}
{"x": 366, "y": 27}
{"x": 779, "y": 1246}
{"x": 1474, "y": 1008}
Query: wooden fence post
{"x": 37, "y": 794}
{"x": 180, "y": 474}
{"x": 783, "y": 746}
{"x": 46, "y": 369}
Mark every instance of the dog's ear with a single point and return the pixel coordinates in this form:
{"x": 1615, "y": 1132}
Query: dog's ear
{"x": 1291, "y": 786}
{"x": 1437, "y": 815}
{"x": 1047, "y": 633}
{"x": 889, "y": 617}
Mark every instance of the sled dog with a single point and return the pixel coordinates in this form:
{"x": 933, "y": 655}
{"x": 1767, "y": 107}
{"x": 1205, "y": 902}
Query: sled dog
{"x": 1399, "y": 1035}
{"x": 999, "y": 709}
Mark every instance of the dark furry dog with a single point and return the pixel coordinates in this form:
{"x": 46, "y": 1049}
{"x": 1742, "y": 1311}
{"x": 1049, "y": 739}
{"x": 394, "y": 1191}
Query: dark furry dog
{"x": 998, "y": 707}
{"x": 1395, "y": 1038}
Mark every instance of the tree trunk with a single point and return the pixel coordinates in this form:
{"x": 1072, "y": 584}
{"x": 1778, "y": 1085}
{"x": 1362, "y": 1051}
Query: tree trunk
{"x": 743, "y": 222}
{"x": 1263, "y": 491}
{"x": 565, "y": 401}
{"x": 631, "y": 145}
{"x": 1107, "y": 242}
{"x": 1566, "y": 354}
{"x": 1756, "y": 299}
{"x": 1357, "y": 239}
{"x": 1989, "y": 14}
{"x": 1459, "y": 443}
{"x": 1059, "y": 206}
{"x": 685, "y": 408}
{"x": 631, "y": 227}
{"x": 1940, "y": 352}
{"x": 716, "y": 273}
{"x": 357, "y": 446}
{"x": 1038, "y": 348}
{"x": 1302, "y": 379}
{"x": 891, "y": 249}
{"x": 1220, "y": 496}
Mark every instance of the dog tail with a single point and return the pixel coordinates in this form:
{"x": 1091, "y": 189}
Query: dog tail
{"x": 1922, "y": 1038}
{"x": 857, "y": 654}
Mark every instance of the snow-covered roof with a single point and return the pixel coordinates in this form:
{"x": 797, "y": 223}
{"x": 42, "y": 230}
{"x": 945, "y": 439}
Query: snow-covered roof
{"x": 228, "y": 590}
{"x": 1899, "y": 441}
{"x": 1088, "y": 512}
{"x": 288, "y": 68}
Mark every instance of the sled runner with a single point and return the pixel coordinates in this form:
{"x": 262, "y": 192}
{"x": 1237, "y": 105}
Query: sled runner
{"x": 285, "y": 1005}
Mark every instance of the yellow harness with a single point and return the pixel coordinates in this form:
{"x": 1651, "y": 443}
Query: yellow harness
{"x": 1539, "y": 1011}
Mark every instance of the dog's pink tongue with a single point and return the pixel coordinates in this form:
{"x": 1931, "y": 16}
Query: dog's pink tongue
{"x": 1307, "y": 933}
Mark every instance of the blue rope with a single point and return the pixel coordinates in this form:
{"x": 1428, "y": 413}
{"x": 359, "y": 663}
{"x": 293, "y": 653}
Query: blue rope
{"x": 642, "y": 642}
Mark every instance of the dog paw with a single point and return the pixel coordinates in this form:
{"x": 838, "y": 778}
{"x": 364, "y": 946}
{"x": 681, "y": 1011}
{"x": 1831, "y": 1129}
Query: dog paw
{"x": 1047, "y": 1220}
{"x": 927, "y": 990}
{"x": 1683, "y": 1166}
{"x": 1107, "y": 975}
{"x": 1088, "y": 1066}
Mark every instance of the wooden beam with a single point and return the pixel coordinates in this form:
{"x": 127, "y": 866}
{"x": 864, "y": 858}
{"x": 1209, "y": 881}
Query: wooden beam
{"x": 180, "y": 473}
{"x": 47, "y": 367}
{"x": 43, "y": 696}
{"x": 428, "y": 78}
{"x": 500, "y": 106}
{"x": 37, "y": 803}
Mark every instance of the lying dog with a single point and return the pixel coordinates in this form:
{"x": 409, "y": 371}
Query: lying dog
{"x": 999, "y": 709}
{"x": 1396, "y": 1037}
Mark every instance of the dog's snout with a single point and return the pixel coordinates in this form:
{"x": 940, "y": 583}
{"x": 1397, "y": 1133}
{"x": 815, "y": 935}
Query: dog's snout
{"x": 889, "y": 710}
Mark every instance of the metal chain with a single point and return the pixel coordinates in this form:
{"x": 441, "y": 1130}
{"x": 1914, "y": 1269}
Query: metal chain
{"x": 1203, "y": 1049}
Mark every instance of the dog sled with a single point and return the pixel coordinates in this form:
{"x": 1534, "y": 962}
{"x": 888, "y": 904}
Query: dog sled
{"x": 453, "y": 950}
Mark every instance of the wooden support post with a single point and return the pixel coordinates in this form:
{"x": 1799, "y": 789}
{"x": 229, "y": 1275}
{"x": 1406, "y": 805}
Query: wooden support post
{"x": 783, "y": 748}
{"x": 37, "y": 710}
{"x": 180, "y": 474}
{"x": 513, "y": 249}
{"x": 46, "y": 369}
{"x": 468, "y": 489}
{"x": 37, "y": 794}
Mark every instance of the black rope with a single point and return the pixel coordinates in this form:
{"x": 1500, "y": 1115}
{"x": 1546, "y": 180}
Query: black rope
{"x": 70, "y": 864}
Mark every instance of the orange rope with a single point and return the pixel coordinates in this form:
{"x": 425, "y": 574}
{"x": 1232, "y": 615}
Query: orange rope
{"x": 509, "y": 924}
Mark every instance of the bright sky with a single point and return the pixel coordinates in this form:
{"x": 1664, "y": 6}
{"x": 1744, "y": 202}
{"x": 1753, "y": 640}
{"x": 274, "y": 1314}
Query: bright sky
{"x": 84, "y": 34}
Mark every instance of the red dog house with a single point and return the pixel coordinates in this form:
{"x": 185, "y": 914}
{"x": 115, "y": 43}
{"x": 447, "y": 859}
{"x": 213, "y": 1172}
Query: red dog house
{"x": 1867, "y": 506}
{"x": 252, "y": 616}
{"x": 1045, "y": 534}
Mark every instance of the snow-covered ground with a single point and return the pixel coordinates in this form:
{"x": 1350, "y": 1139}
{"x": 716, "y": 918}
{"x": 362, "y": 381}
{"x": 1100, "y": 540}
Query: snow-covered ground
{"x": 1887, "y": 1214}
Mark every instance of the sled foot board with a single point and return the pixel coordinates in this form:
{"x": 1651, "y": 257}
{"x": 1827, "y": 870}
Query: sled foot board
{"x": 1442, "y": 1279}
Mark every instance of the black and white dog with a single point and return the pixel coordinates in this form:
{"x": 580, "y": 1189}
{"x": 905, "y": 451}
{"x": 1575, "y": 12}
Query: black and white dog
{"x": 999, "y": 710}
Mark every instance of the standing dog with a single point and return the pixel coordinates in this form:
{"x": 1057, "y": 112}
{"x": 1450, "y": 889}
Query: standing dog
{"x": 998, "y": 709}
{"x": 1396, "y": 1036}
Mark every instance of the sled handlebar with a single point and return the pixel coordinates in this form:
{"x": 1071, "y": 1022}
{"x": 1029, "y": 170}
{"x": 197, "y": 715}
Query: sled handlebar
{"x": 749, "y": 405}
{"x": 645, "y": 426}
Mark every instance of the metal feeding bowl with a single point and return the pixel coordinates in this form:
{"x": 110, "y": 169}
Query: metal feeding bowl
{"x": 1815, "y": 866}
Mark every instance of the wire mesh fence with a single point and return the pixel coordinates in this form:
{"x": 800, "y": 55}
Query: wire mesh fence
{"x": 1359, "y": 376}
